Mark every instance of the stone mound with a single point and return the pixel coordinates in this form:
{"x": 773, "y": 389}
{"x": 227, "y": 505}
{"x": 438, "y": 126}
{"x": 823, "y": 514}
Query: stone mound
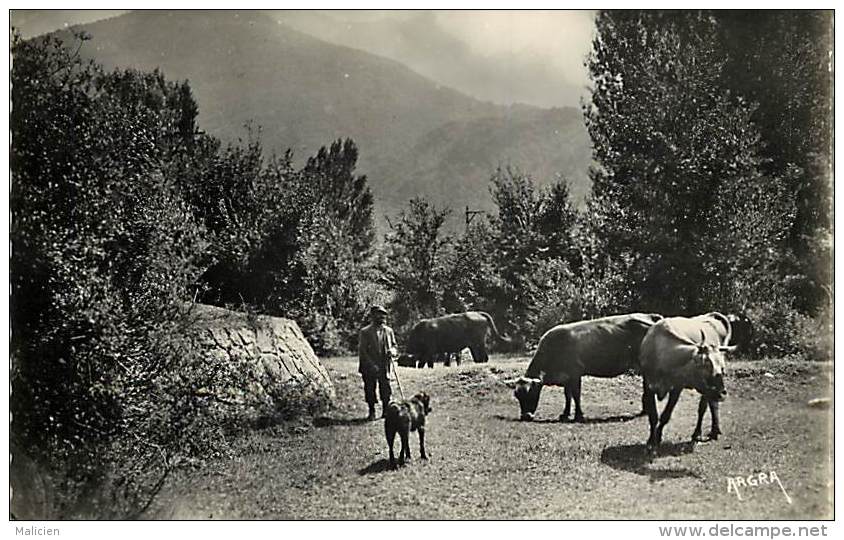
{"x": 275, "y": 368}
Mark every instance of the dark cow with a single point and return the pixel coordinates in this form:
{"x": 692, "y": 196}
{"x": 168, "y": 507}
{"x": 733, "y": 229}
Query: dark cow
{"x": 605, "y": 347}
{"x": 431, "y": 337}
{"x": 678, "y": 353}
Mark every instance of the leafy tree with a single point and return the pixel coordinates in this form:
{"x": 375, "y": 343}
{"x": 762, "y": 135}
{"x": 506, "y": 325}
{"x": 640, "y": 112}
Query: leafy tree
{"x": 533, "y": 248}
{"x": 677, "y": 153}
{"x": 347, "y": 198}
{"x": 471, "y": 273}
{"x": 417, "y": 247}
{"x": 104, "y": 253}
{"x": 260, "y": 215}
{"x": 283, "y": 246}
{"x": 780, "y": 60}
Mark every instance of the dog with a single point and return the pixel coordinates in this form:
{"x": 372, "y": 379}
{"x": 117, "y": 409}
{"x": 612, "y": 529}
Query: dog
{"x": 402, "y": 417}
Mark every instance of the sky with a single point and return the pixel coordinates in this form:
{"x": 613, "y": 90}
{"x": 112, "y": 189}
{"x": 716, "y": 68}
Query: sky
{"x": 532, "y": 57}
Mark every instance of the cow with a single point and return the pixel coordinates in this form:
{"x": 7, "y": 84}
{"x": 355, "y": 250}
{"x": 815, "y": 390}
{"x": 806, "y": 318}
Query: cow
{"x": 605, "y": 347}
{"x": 678, "y": 353}
{"x": 430, "y": 338}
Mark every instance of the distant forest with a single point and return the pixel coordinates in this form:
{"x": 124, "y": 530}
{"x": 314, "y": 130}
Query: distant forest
{"x": 711, "y": 135}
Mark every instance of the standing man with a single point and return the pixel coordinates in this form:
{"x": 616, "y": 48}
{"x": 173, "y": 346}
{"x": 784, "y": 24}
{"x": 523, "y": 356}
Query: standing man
{"x": 376, "y": 348}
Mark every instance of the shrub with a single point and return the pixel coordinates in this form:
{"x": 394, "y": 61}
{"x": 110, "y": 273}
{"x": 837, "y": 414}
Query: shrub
{"x": 104, "y": 254}
{"x": 779, "y": 330}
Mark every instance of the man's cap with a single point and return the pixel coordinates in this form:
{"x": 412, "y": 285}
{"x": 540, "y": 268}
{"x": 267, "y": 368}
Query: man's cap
{"x": 377, "y": 309}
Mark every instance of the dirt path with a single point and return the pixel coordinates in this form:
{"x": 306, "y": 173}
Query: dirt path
{"x": 486, "y": 465}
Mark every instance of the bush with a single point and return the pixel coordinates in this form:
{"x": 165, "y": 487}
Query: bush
{"x": 779, "y": 330}
{"x": 105, "y": 252}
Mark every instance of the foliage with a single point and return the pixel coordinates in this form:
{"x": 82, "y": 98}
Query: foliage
{"x": 347, "y": 198}
{"x": 104, "y": 254}
{"x": 678, "y": 194}
{"x": 283, "y": 246}
{"x": 471, "y": 274}
{"x": 533, "y": 250}
{"x": 780, "y": 60}
{"x": 414, "y": 268}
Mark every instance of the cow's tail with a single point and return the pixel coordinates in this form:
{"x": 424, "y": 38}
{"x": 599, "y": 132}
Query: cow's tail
{"x": 723, "y": 318}
{"x": 489, "y": 320}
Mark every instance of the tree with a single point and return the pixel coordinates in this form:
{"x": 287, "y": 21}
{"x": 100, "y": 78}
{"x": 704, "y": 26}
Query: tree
{"x": 347, "y": 197}
{"x": 105, "y": 253}
{"x": 676, "y": 153}
{"x": 533, "y": 249}
{"x": 780, "y": 60}
{"x": 472, "y": 280}
{"x": 416, "y": 249}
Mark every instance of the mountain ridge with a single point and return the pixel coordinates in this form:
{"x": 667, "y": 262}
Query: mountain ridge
{"x": 246, "y": 67}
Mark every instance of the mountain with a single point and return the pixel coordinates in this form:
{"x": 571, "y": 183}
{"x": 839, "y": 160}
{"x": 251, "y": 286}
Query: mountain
{"x": 422, "y": 40}
{"x": 452, "y": 163}
{"x": 415, "y": 136}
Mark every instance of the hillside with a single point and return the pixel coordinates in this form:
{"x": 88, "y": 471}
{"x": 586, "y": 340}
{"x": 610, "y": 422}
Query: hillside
{"x": 453, "y": 162}
{"x": 415, "y": 136}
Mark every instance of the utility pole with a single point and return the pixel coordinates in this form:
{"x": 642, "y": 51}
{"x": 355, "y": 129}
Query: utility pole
{"x": 470, "y": 215}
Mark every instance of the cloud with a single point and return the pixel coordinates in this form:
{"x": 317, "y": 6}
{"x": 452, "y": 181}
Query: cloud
{"x": 559, "y": 39}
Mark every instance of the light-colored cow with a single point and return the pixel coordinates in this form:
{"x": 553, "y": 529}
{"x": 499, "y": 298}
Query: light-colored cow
{"x": 678, "y": 353}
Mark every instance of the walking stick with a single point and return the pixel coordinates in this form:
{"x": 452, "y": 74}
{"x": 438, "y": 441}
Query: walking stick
{"x": 396, "y": 372}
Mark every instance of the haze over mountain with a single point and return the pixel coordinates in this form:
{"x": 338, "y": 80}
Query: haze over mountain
{"x": 415, "y": 136}
{"x": 505, "y": 57}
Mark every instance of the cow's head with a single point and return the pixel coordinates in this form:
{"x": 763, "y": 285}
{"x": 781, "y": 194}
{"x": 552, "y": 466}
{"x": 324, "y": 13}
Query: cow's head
{"x": 527, "y": 392}
{"x": 709, "y": 363}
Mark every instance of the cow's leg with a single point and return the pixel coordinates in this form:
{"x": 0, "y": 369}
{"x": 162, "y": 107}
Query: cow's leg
{"x": 567, "y": 411}
{"x": 666, "y": 412}
{"x": 422, "y": 453}
{"x": 457, "y": 356}
{"x": 716, "y": 421}
{"x": 649, "y": 403}
{"x": 446, "y": 358}
{"x": 578, "y": 412}
{"x": 701, "y": 411}
{"x": 479, "y": 354}
{"x": 426, "y": 358}
{"x": 644, "y": 410}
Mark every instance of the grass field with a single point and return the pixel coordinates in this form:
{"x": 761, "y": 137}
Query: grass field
{"x": 485, "y": 464}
